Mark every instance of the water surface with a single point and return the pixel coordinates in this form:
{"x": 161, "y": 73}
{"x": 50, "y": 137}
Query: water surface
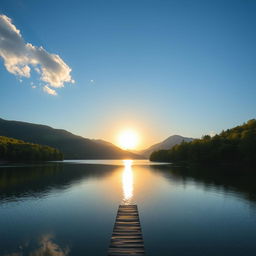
{"x": 69, "y": 208}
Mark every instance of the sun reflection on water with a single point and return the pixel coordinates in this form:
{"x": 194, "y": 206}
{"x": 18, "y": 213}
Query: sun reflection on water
{"x": 127, "y": 181}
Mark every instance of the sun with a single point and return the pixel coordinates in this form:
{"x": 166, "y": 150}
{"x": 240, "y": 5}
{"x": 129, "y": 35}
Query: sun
{"x": 128, "y": 139}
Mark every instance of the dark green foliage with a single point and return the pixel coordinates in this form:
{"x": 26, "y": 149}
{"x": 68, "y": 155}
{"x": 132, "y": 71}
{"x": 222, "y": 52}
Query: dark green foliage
{"x": 18, "y": 150}
{"x": 230, "y": 146}
{"x": 72, "y": 146}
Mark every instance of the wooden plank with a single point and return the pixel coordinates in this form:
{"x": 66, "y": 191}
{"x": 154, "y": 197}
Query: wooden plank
{"x": 127, "y": 237}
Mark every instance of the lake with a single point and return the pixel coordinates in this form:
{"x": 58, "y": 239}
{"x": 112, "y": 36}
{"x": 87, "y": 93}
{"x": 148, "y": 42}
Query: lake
{"x": 69, "y": 208}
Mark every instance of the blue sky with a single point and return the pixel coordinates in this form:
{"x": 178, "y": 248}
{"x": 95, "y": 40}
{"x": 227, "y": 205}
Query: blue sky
{"x": 159, "y": 67}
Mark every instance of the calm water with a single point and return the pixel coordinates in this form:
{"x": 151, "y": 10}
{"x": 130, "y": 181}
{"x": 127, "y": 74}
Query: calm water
{"x": 69, "y": 208}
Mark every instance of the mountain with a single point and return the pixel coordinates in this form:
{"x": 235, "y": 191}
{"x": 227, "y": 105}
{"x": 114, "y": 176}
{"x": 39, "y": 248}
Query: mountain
{"x": 235, "y": 146}
{"x": 166, "y": 144}
{"x": 102, "y": 142}
{"x": 19, "y": 150}
{"x": 72, "y": 146}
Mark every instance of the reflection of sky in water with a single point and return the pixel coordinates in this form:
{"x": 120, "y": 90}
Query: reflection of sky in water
{"x": 45, "y": 246}
{"x": 69, "y": 209}
{"x": 127, "y": 182}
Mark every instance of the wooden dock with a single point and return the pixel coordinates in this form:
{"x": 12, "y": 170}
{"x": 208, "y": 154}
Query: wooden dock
{"x": 127, "y": 236}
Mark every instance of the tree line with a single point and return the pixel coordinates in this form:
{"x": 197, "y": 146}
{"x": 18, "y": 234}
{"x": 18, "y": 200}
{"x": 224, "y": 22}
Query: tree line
{"x": 18, "y": 150}
{"x": 236, "y": 145}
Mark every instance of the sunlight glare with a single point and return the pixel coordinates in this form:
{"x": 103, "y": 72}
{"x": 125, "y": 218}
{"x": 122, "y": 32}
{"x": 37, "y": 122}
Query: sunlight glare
{"x": 128, "y": 139}
{"x": 127, "y": 181}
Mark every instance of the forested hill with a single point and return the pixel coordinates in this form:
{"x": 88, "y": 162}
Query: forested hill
{"x": 166, "y": 144}
{"x": 72, "y": 146}
{"x": 18, "y": 150}
{"x": 236, "y": 145}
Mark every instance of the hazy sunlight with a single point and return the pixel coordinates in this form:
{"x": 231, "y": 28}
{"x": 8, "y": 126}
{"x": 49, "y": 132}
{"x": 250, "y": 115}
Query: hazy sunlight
{"x": 128, "y": 139}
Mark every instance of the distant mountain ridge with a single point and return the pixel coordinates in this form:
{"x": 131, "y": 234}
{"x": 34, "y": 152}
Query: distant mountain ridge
{"x": 235, "y": 146}
{"x": 165, "y": 144}
{"x": 72, "y": 146}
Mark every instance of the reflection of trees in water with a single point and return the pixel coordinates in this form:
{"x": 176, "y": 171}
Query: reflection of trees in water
{"x": 228, "y": 179}
{"x": 38, "y": 180}
{"x": 44, "y": 246}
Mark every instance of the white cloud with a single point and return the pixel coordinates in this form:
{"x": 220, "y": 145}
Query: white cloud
{"x": 32, "y": 85}
{"x": 49, "y": 90}
{"x": 19, "y": 57}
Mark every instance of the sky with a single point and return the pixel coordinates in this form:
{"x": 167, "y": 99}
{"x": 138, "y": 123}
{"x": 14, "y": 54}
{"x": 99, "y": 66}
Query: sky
{"x": 158, "y": 67}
